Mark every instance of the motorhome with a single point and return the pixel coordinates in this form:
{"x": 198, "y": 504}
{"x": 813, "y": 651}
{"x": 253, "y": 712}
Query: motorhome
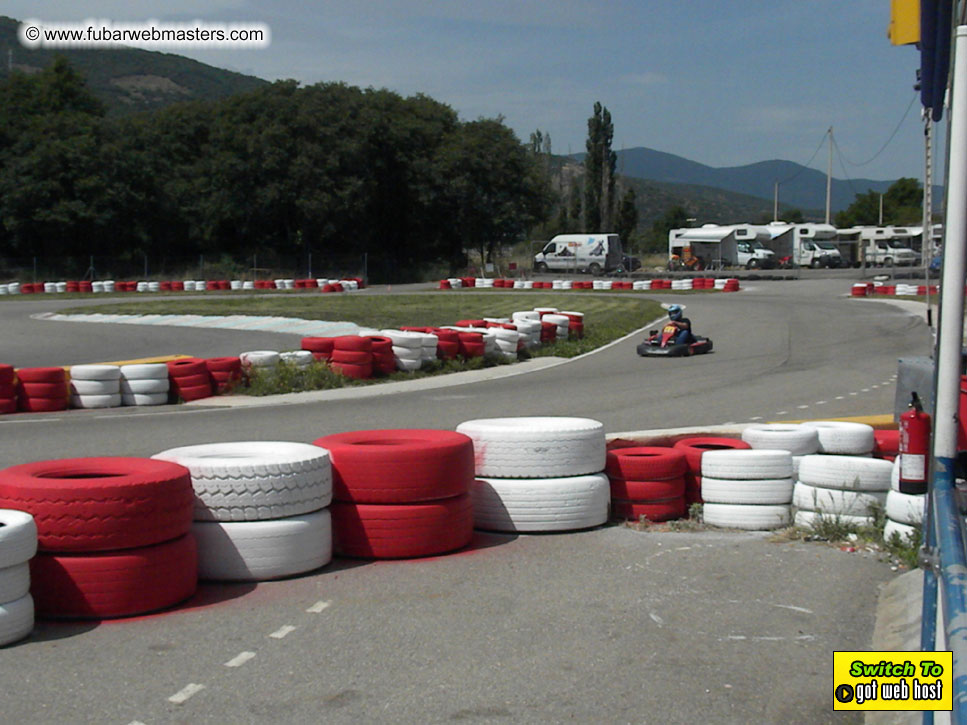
{"x": 593, "y": 253}
{"x": 889, "y": 246}
{"x": 715, "y": 246}
{"x": 805, "y": 245}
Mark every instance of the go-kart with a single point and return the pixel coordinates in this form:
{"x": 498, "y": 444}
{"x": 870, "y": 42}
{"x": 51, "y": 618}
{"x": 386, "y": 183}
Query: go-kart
{"x": 662, "y": 343}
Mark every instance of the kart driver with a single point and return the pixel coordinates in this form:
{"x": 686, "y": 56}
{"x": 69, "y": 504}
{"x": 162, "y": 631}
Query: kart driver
{"x": 684, "y": 325}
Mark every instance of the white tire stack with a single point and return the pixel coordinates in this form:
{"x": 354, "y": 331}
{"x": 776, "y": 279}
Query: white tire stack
{"x": 799, "y": 440}
{"x": 538, "y": 474}
{"x": 840, "y": 486}
{"x": 260, "y": 508}
{"x": 641, "y": 284}
{"x": 843, "y": 437}
{"x": 506, "y": 341}
{"x": 144, "y": 384}
{"x": 904, "y": 511}
{"x": 428, "y": 353}
{"x": 95, "y": 386}
{"x": 407, "y": 348}
{"x": 747, "y": 489}
{"x": 297, "y": 358}
{"x": 18, "y": 544}
{"x": 260, "y": 359}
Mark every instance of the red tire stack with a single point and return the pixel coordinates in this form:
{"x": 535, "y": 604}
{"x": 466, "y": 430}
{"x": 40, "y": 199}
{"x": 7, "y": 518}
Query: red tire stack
{"x": 225, "y": 373}
{"x": 320, "y": 347}
{"x": 352, "y": 356}
{"x": 384, "y": 361}
{"x": 73, "y": 286}
{"x": 42, "y": 390}
{"x": 647, "y": 482}
{"x": 8, "y": 390}
{"x": 693, "y": 448}
{"x": 886, "y": 444}
{"x": 188, "y": 379}
{"x": 448, "y": 343}
{"x": 575, "y": 327}
{"x": 113, "y": 534}
{"x": 399, "y": 494}
{"x": 548, "y": 333}
{"x": 471, "y": 344}
{"x": 731, "y": 285}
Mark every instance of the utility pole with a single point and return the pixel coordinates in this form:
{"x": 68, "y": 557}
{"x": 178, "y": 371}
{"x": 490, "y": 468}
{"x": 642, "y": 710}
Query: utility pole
{"x": 775, "y": 202}
{"x": 829, "y": 174}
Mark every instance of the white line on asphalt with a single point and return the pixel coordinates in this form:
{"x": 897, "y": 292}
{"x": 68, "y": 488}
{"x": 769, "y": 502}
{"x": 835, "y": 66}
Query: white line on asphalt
{"x": 840, "y": 397}
{"x": 37, "y": 420}
{"x": 190, "y": 689}
{"x": 874, "y": 387}
{"x": 758, "y": 417}
{"x": 656, "y": 619}
{"x": 854, "y": 393}
{"x": 240, "y": 659}
{"x": 282, "y": 631}
{"x": 802, "y": 407}
{"x": 820, "y": 402}
{"x": 318, "y": 607}
{"x": 793, "y": 608}
{"x": 865, "y": 390}
{"x": 783, "y": 412}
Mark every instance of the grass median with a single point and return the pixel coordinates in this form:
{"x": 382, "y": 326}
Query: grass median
{"x": 606, "y": 318}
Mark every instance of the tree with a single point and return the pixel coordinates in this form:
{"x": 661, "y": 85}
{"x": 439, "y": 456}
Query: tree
{"x": 674, "y": 218}
{"x": 902, "y": 204}
{"x": 627, "y": 220}
{"x": 599, "y": 165}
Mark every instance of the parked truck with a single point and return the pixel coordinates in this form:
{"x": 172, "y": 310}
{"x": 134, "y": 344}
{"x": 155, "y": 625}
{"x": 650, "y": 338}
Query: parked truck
{"x": 716, "y": 247}
{"x": 592, "y": 253}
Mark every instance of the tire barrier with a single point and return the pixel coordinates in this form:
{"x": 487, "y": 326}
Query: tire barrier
{"x": 835, "y": 486}
{"x": 112, "y": 534}
{"x": 694, "y": 447}
{"x": 259, "y": 508}
{"x": 95, "y": 386}
{"x": 747, "y": 489}
{"x": 843, "y": 437}
{"x": 8, "y": 390}
{"x": 538, "y": 474}
{"x": 188, "y": 379}
{"x": 722, "y": 285}
{"x": 647, "y": 482}
{"x": 226, "y": 374}
{"x": 41, "y": 390}
{"x": 212, "y": 285}
{"x": 400, "y": 493}
{"x": 18, "y": 545}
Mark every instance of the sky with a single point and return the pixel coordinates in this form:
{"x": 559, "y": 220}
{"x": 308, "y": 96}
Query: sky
{"x": 720, "y": 82}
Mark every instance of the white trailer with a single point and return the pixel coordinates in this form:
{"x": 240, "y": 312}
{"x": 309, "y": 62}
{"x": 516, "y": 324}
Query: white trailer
{"x": 721, "y": 246}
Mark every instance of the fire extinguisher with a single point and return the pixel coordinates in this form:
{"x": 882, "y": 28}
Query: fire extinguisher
{"x": 914, "y": 447}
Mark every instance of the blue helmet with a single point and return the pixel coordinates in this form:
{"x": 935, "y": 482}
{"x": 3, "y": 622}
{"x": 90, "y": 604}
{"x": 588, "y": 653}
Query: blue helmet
{"x": 675, "y": 312}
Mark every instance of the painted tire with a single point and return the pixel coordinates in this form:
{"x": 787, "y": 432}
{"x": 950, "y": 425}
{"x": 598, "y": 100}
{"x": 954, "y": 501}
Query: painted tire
{"x": 797, "y": 439}
{"x": 43, "y": 405}
{"x": 748, "y": 517}
{"x": 186, "y": 366}
{"x": 117, "y": 583}
{"x": 904, "y": 531}
{"x": 44, "y": 390}
{"x": 144, "y": 398}
{"x": 144, "y": 371}
{"x": 96, "y": 401}
{"x": 14, "y": 582}
{"x": 144, "y": 385}
{"x": 843, "y": 437}
{"x": 643, "y": 463}
{"x": 352, "y": 343}
{"x": 258, "y": 359}
{"x": 695, "y": 447}
{"x": 18, "y": 538}
{"x": 95, "y": 372}
{"x": 812, "y": 519}
{"x": 541, "y": 504}
{"x": 358, "y": 372}
{"x": 886, "y": 443}
{"x": 758, "y": 491}
{"x": 543, "y": 447}
{"x": 654, "y": 511}
{"x": 16, "y": 619}
{"x": 388, "y": 531}
{"x": 255, "y": 480}
{"x": 189, "y": 381}
{"x": 834, "y": 500}
{"x": 855, "y": 473}
{"x": 263, "y": 550}
{"x": 647, "y": 490}
{"x": 905, "y": 508}
{"x": 94, "y": 387}
{"x": 321, "y": 345}
{"x": 6, "y": 374}
{"x": 747, "y": 465}
{"x": 96, "y": 504}
{"x": 41, "y": 375}
{"x": 195, "y": 392}
{"x": 399, "y": 466}
{"x": 351, "y": 357}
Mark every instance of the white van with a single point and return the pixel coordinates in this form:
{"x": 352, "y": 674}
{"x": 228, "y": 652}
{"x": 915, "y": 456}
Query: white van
{"x": 889, "y": 246}
{"x": 593, "y": 253}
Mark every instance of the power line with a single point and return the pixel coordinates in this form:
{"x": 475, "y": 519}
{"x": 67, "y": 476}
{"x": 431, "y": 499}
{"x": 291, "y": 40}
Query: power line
{"x": 805, "y": 165}
{"x": 888, "y": 141}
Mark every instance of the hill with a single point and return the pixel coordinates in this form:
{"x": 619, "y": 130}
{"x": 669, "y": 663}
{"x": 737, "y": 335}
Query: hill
{"x": 127, "y": 80}
{"x": 799, "y": 186}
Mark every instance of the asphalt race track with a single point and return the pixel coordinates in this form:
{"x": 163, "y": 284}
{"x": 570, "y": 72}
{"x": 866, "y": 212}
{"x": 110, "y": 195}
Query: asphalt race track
{"x": 608, "y": 625}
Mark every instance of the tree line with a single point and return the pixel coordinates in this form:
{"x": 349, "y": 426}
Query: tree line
{"x": 280, "y": 172}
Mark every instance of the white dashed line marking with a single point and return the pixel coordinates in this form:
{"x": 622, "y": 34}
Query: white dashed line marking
{"x": 191, "y": 689}
{"x": 802, "y": 407}
{"x": 840, "y": 397}
{"x": 854, "y": 393}
{"x": 865, "y": 390}
{"x": 282, "y": 631}
{"x": 874, "y": 387}
{"x": 783, "y": 412}
{"x": 820, "y": 402}
{"x": 240, "y": 659}
{"x": 318, "y": 607}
